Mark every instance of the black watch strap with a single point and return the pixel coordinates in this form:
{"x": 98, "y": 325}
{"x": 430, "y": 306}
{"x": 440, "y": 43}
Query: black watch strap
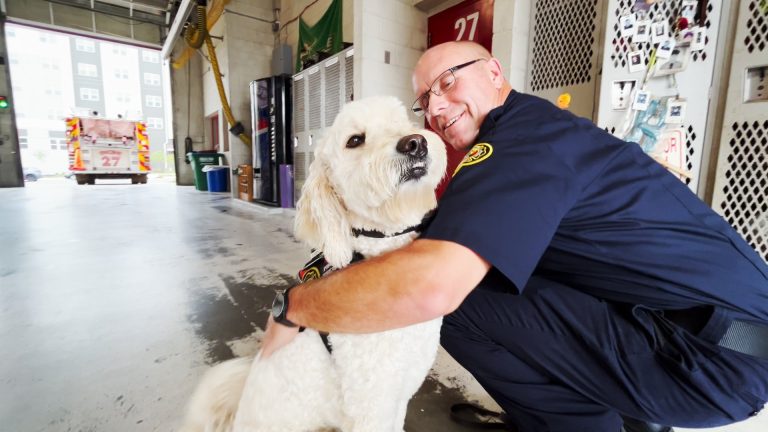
{"x": 280, "y": 308}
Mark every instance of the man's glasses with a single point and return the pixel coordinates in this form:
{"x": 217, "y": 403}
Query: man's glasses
{"x": 440, "y": 86}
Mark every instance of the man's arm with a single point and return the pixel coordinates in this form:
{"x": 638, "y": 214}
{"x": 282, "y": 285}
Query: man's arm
{"x": 419, "y": 282}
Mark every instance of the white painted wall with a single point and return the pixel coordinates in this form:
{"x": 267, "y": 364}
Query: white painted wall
{"x": 187, "y": 90}
{"x": 400, "y": 28}
{"x": 394, "y": 26}
{"x": 511, "y": 29}
{"x": 249, "y": 57}
{"x": 244, "y": 54}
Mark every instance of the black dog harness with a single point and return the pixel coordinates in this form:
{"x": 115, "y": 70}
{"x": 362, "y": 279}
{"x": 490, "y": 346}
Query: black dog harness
{"x": 318, "y": 266}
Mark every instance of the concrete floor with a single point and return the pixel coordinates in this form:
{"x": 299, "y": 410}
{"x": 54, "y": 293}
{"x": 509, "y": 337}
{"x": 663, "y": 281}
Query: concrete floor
{"x": 115, "y": 298}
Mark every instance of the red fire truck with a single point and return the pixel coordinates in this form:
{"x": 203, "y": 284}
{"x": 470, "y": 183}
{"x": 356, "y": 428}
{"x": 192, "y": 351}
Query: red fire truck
{"x": 105, "y": 148}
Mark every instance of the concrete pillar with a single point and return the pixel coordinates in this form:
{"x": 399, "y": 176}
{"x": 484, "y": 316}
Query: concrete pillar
{"x": 10, "y": 156}
{"x": 187, "y": 90}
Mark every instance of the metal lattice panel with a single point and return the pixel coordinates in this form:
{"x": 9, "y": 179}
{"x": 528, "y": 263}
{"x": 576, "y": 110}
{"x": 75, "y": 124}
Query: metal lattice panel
{"x": 667, "y": 10}
{"x": 689, "y": 84}
{"x": 300, "y": 166}
{"x": 690, "y": 149}
{"x": 757, "y": 27}
{"x": 746, "y": 183}
{"x": 563, "y": 57}
{"x": 299, "y": 109}
{"x": 315, "y": 105}
{"x": 348, "y": 78}
{"x": 299, "y": 174}
{"x": 332, "y": 92}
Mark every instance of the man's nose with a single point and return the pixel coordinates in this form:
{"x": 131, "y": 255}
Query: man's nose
{"x": 413, "y": 145}
{"x": 436, "y": 104}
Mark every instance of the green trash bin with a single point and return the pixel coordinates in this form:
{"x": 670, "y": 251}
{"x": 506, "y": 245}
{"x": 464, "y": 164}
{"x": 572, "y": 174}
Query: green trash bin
{"x": 198, "y": 160}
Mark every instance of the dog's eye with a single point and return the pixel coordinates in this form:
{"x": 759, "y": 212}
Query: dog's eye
{"x": 355, "y": 141}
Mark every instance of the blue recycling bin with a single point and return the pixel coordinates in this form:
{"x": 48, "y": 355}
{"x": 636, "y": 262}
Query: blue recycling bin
{"x": 218, "y": 178}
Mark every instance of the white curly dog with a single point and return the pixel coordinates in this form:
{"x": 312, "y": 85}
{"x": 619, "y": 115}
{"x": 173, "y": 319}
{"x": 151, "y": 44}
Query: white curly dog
{"x": 373, "y": 172}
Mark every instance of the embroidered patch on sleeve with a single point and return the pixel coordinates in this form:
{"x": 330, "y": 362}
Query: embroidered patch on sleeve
{"x": 478, "y": 153}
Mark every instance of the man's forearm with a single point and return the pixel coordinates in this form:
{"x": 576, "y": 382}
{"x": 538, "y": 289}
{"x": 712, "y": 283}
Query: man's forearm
{"x": 417, "y": 283}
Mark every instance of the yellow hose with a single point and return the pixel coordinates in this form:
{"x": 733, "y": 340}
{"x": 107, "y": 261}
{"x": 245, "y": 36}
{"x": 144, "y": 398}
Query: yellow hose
{"x": 220, "y": 85}
{"x": 195, "y": 36}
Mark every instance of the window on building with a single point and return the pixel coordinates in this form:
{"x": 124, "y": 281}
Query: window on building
{"x": 87, "y": 69}
{"x": 123, "y": 98}
{"x": 90, "y": 94}
{"x": 85, "y": 45}
{"x": 154, "y": 101}
{"x": 58, "y": 144}
{"x": 58, "y": 140}
{"x": 152, "y": 79}
{"x": 119, "y": 50}
{"x": 56, "y": 114}
{"x": 150, "y": 56}
{"x": 154, "y": 122}
{"x": 121, "y": 73}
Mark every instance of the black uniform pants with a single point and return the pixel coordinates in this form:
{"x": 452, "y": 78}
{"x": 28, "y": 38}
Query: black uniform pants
{"x": 557, "y": 359}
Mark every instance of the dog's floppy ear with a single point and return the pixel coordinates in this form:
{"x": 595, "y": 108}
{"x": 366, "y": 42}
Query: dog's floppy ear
{"x": 321, "y": 217}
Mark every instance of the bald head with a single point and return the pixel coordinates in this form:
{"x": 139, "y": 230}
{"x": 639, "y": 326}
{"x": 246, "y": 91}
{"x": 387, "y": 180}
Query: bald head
{"x": 456, "y": 84}
{"x": 448, "y": 53}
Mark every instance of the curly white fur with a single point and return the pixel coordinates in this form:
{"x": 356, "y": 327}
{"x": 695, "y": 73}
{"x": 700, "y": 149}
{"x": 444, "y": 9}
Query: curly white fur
{"x": 366, "y": 383}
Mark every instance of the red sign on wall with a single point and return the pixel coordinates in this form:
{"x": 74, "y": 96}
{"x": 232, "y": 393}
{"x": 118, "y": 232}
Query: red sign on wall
{"x": 470, "y": 20}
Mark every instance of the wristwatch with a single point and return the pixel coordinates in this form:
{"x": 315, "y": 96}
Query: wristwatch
{"x": 280, "y": 308}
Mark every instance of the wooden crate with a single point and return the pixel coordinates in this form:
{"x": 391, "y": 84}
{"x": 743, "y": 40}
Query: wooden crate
{"x": 245, "y": 182}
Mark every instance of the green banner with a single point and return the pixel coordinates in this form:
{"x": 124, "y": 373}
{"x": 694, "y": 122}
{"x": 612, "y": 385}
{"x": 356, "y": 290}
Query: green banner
{"x": 321, "y": 40}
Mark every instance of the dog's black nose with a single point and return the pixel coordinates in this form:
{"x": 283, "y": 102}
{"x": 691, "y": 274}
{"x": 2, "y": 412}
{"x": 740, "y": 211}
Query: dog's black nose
{"x": 413, "y": 145}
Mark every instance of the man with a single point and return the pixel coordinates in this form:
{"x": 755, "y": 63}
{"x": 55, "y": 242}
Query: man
{"x": 581, "y": 282}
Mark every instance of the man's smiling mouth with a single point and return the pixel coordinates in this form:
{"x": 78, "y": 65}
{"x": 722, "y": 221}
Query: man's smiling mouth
{"x": 452, "y": 121}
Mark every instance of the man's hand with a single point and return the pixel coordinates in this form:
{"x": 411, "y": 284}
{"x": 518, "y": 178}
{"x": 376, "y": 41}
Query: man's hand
{"x": 275, "y": 337}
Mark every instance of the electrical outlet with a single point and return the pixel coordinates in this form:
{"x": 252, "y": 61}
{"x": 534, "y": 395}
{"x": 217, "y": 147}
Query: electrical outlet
{"x": 756, "y": 84}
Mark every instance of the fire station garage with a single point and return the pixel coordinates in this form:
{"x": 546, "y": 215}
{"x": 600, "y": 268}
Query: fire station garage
{"x": 169, "y": 173}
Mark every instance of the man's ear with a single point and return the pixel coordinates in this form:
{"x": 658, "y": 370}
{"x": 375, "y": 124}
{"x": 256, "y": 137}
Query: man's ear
{"x": 497, "y": 73}
{"x": 321, "y": 218}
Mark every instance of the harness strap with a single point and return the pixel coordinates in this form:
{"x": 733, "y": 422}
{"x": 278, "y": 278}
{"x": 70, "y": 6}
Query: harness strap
{"x": 362, "y": 232}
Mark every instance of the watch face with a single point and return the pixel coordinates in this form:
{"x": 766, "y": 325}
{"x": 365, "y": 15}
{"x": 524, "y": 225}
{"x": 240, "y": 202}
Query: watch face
{"x": 278, "y": 305}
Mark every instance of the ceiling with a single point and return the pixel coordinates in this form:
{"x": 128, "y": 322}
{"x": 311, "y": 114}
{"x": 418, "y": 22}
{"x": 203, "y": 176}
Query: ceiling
{"x": 159, "y": 12}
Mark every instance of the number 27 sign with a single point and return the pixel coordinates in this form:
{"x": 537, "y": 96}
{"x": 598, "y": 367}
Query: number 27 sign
{"x": 470, "y": 20}
{"x": 110, "y": 158}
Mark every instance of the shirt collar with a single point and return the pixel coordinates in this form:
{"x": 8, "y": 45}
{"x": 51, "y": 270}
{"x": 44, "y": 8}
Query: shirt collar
{"x": 489, "y": 124}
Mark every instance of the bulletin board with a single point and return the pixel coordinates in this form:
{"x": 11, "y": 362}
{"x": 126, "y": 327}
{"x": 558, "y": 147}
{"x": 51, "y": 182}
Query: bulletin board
{"x": 675, "y": 89}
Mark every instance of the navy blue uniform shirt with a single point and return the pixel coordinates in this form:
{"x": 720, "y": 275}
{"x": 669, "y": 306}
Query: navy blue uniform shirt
{"x": 545, "y": 192}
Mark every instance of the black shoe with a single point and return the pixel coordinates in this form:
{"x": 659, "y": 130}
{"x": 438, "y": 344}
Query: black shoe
{"x": 632, "y": 425}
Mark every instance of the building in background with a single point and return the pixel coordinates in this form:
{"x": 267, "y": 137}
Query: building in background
{"x": 56, "y": 75}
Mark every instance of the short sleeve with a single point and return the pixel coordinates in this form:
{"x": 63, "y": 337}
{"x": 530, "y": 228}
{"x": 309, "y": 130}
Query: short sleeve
{"x": 505, "y": 203}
